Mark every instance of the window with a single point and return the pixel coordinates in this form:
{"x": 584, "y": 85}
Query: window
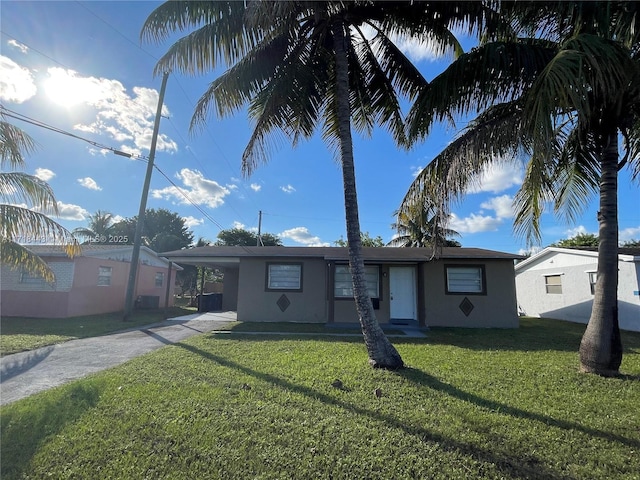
{"x": 343, "y": 286}
{"x": 159, "y": 279}
{"x": 32, "y": 279}
{"x": 468, "y": 279}
{"x": 284, "y": 276}
{"x": 104, "y": 276}
{"x": 593, "y": 276}
{"x": 553, "y": 283}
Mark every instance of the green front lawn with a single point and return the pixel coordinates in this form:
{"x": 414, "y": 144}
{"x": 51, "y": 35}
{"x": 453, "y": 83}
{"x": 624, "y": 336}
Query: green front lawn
{"x": 472, "y": 404}
{"x": 18, "y": 334}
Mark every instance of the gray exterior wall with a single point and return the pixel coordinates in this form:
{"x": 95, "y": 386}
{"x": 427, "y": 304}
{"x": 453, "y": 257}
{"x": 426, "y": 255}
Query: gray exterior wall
{"x": 495, "y": 309}
{"x": 257, "y": 304}
{"x": 316, "y": 304}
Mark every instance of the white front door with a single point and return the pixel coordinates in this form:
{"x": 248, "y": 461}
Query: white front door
{"x": 402, "y": 293}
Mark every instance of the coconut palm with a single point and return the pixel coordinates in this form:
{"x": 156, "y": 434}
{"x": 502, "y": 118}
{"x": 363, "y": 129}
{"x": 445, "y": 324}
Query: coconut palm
{"x": 304, "y": 65}
{"x": 99, "y": 228}
{"x": 20, "y": 194}
{"x": 560, "y": 103}
{"x": 420, "y": 225}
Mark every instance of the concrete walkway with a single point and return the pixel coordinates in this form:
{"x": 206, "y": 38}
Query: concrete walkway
{"x": 25, "y": 373}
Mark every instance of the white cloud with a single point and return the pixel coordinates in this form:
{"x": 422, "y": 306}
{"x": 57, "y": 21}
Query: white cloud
{"x": 200, "y": 190}
{"x": 121, "y": 115}
{"x": 44, "y": 174}
{"x": 474, "y": 223}
{"x": 255, "y": 187}
{"x": 191, "y": 222}
{"x": 16, "y": 83}
{"x": 18, "y": 45}
{"x": 415, "y": 49}
{"x": 503, "y": 206}
{"x": 302, "y": 235}
{"x": 238, "y": 225}
{"x": 117, "y": 218}
{"x": 497, "y": 178}
{"x": 287, "y": 189}
{"x": 572, "y": 232}
{"x": 90, "y": 183}
{"x": 530, "y": 251}
{"x": 629, "y": 234}
{"x": 67, "y": 211}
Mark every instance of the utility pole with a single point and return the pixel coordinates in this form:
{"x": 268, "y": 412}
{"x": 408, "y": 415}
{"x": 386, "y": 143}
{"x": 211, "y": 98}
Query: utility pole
{"x": 137, "y": 240}
{"x": 259, "y": 239}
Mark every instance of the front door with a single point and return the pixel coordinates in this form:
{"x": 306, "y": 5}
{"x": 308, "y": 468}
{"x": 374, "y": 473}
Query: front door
{"x": 402, "y": 293}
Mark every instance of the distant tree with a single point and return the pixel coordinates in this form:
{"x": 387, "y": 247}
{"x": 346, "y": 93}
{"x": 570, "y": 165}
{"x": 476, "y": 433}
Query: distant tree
{"x": 99, "y": 230}
{"x": 580, "y": 240}
{"x": 20, "y": 224}
{"x": 246, "y": 238}
{"x": 631, "y": 243}
{"x": 188, "y": 278}
{"x": 365, "y": 239}
{"x": 162, "y": 231}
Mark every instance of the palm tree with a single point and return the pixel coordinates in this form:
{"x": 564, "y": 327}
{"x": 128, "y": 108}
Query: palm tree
{"x": 300, "y": 65}
{"x": 99, "y": 228}
{"x": 18, "y": 222}
{"x": 560, "y": 101}
{"x": 420, "y": 225}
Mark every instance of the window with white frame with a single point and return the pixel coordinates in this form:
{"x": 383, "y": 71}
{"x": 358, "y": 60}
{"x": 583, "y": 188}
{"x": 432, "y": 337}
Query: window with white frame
{"x": 465, "y": 279}
{"x": 284, "y": 276}
{"x": 159, "y": 279}
{"x": 553, "y": 284}
{"x": 593, "y": 276}
{"x": 30, "y": 278}
{"x": 104, "y": 276}
{"x": 343, "y": 283}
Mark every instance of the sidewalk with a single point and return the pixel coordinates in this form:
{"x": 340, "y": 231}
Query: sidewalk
{"x": 25, "y": 373}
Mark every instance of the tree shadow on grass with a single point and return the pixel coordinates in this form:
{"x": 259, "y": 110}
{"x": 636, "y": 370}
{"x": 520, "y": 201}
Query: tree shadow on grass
{"x": 26, "y": 426}
{"x": 509, "y": 465}
{"x": 424, "y": 379}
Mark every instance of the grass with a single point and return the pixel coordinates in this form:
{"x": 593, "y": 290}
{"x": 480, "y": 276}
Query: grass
{"x": 489, "y": 404}
{"x": 306, "y": 328}
{"x": 20, "y": 333}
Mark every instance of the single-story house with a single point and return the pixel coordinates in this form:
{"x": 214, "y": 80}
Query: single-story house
{"x": 459, "y": 287}
{"x": 93, "y": 282}
{"x": 559, "y": 283}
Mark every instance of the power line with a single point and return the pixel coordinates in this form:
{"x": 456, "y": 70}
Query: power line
{"x": 18, "y": 116}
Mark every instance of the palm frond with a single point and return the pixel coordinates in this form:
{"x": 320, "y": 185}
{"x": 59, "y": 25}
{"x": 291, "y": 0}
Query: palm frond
{"x": 14, "y": 144}
{"x": 18, "y": 223}
{"x": 17, "y": 257}
{"x": 19, "y": 187}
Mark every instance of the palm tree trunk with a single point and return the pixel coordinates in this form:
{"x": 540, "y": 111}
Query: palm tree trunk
{"x": 381, "y": 352}
{"x": 601, "y": 345}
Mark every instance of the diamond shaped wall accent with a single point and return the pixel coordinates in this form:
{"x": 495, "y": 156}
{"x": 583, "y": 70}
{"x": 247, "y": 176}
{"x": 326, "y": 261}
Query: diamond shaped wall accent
{"x": 466, "y": 306}
{"x": 283, "y": 302}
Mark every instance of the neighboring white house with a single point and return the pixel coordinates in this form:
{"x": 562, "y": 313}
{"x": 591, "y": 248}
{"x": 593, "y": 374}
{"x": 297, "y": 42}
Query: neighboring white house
{"x": 559, "y": 283}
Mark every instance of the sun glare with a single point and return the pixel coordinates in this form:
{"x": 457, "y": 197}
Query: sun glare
{"x": 65, "y": 88}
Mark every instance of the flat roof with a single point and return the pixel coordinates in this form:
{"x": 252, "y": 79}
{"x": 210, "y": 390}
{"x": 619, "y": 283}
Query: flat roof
{"x": 229, "y": 255}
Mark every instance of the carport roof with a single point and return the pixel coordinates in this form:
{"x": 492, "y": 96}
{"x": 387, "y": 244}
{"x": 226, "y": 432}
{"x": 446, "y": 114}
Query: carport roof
{"x": 228, "y": 256}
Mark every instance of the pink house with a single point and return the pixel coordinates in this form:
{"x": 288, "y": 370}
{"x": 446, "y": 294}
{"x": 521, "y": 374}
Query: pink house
{"x": 91, "y": 283}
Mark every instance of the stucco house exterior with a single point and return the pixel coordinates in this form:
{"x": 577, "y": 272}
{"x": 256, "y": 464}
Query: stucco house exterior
{"x": 91, "y": 283}
{"x": 559, "y": 283}
{"x": 459, "y": 287}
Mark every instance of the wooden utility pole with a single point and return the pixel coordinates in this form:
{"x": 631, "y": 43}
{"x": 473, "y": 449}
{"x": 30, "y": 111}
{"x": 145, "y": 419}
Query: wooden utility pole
{"x": 135, "y": 254}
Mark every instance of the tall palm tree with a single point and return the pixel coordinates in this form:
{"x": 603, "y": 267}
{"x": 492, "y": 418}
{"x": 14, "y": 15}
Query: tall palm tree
{"x": 300, "y": 65}
{"x": 559, "y": 102}
{"x": 420, "y": 225}
{"x": 20, "y": 193}
{"x": 99, "y": 228}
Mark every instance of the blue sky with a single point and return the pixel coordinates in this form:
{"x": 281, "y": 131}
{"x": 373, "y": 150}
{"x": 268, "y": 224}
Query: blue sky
{"x": 80, "y": 67}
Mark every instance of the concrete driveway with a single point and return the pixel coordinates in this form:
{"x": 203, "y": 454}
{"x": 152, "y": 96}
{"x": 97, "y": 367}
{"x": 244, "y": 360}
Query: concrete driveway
{"x": 23, "y": 374}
